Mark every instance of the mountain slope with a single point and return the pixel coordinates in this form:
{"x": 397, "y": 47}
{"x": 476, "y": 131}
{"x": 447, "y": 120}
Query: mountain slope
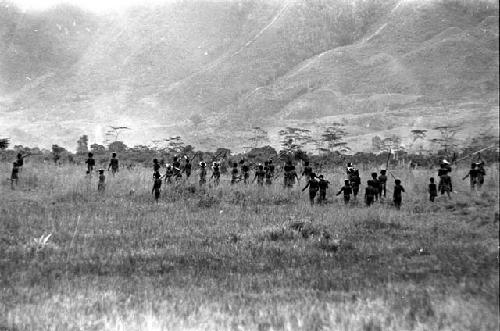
{"x": 377, "y": 66}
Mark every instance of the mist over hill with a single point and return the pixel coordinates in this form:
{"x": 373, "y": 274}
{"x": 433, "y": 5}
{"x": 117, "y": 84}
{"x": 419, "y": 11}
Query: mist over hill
{"x": 210, "y": 71}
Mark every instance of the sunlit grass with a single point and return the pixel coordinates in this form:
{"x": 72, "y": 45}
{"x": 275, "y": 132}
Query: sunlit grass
{"x": 233, "y": 258}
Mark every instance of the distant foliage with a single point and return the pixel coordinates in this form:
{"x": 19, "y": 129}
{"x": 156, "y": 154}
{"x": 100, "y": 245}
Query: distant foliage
{"x": 82, "y": 145}
{"x": 447, "y": 141}
{"x": 117, "y": 146}
{"x": 333, "y": 137}
{"x": 262, "y": 154}
{"x": 96, "y": 148}
{"x": 294, "y": 139}
{"x": 4, "y": 143}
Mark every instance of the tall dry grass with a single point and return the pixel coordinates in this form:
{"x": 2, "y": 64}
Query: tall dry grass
{"x": 243, "y": 257}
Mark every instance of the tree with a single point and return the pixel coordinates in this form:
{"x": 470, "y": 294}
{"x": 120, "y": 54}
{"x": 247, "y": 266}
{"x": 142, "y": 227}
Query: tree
{"x": 82, "y": 145}
{"x": 175, "y": 144}
{"x": 262, "y": 153}
{"x": 96, "y": 148}
{"x": 294, "y": 139}
{"x": 447, "y": 140}
{"x": 117, "y": 147}
{"x": 418, "y": 134}
{"x": 114, "y": 132}
{"x": 140, "y": 148}
{"x": 333, "y": 137}
{"x": 221, "y": 153}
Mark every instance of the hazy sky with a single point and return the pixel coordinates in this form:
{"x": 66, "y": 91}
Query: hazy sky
{"x": 94, "y": 5}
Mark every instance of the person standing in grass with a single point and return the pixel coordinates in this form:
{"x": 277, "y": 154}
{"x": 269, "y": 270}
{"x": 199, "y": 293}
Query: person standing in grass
{"x": 347, "y": 189}
{"x": 473, "y": 176}
{"x": 271, "y": 167}
{"x": 323, "y": 186}
{"x": 307, "y": 170}
{"x": 290, "y": 174}
{"x": 445, "y": 184}
{"x": 176, "y": 168}
{"x": 260, "y": 174}
{"x": 14, "y": 176}
{"x": 313, "y": 185}
{"x": 370, "y": 193}
{"x": 101, "y": 184}
{"x": 156, "y": 165}
{"x": 354, "y": 179}
{"x": 187, "y": 168}
{"x": 113, "y": 164}
{"x": 235, "y": 174}
{"x": 382, "y": 179}
{"x": 20, "y": 161}
{"x": 480, "y": 174}
{"x": 433, "y": 192}
{"x": 245, "y": 171}
{"x": 203, "y": 173}
{"x": 398, "y": 196}
{"x": 444, "y": 171}
{"x": 90, "y": 163}
{"x": 269, "y": 173}
{"x": 169, "y": 173}
{"x": 156, "y": 185}
{"x": 288, "y": 168}
{"x": 216, "y": 173}
{"x": 376, "y": 185}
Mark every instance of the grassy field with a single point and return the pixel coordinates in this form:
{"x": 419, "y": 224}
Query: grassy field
{"x": 243, "y": 257}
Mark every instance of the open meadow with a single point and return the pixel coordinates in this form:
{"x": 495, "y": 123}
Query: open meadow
{"x": 244, "y": 257}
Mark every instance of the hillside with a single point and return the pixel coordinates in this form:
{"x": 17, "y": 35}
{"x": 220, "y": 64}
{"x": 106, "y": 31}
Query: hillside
{"x": 212, "y": 70}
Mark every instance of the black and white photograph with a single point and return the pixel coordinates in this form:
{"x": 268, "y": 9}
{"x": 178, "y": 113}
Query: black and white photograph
{"x": 260, "y": 165}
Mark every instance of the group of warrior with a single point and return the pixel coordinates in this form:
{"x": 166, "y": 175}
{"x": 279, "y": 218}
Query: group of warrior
{"x": 376, "y": 187}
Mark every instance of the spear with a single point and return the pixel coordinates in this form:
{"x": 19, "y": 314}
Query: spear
{"x": 479, "y": 151}
{"x": 387, "y": 162}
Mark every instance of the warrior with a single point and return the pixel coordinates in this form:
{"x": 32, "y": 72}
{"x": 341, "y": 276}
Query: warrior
{"x": 101, "y": 184}
{"x": 473, "y": 175}
{"x": 14, "y": 177}
{"x": 313, "y": 185}
{"x": 176, "y": 168}
{"x": 347, "y": 189}
{"x": 187, "y": 168}
{"x": 376, "y": 185}
{"x": 370, "y": 193}
{"x": 397, "y": 196}
{"x": 169, "y": 173}
{"x": 203, "y": 173}
{"x": 216, "y": 173}
{"x": 90, "y": 163}
{"x": 323, "y": 186}
{"x": 113, "y": 164}
{"x": 259, "y": 175}
{"x": 235, "y": 174}
{"x": 354, "y": 179}
{"x": 433, "y": 192}
{"x": 290, "y": 175}
{"x": 307, "y": 170}
{"x": 156, "y": 185}
{"x": 382, "y": 179}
